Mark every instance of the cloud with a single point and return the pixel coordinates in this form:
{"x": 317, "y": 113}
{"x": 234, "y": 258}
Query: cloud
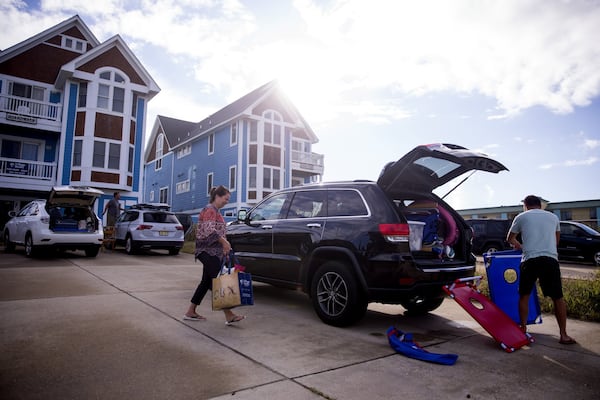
{"x": 520, "y": 53}
{"x": 571, "y": 163}
{"x": 591, "y": 143}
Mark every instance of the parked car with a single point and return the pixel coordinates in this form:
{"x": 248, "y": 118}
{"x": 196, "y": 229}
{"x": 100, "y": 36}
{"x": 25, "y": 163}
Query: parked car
{"x": 65, "y": 221}
{"x": 185, "y": 220}
{"x": 579, "y": 242}
{"x": 149, "y": 226}
{"x": 489, "y": 235}
{"x": 350, "y": 243}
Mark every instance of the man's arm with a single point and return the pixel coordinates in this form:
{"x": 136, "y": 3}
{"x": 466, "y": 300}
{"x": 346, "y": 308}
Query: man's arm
{"x": 512, "y": 240}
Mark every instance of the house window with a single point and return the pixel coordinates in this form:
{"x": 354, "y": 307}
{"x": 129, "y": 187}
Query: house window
{"x": 152, "y": 195}
{"x": 73, "y": 44}
{"x": 130, "y": 160}
{"x": 103, "y": 96}
{"x": 100, "y": 159}
{"x": 118, "y": 100}
{"x": 20, "y": 149}
{"x": 566, "y": 215}
{"x": 209, "y": 183}
{"x": 111, "y": 93}
{"x": 184, "y": 151}
{"x": 233, "y": 136}
{"x": 232, "y": 176}
{"x": 159, "y": 151}
{"x": 211, "y": 143}
{"x": 82, "y": 98}
{"x": 99, "y": 154}
{"x": 252, "y": 177}
{"x": 182, "y": 187}
{"x": 134, "y": 106}
{"x": 163, "y": 195}
{"x": 26, "y": 91}
{"x": 273, "y": 128}
{"x": 253, "y": 131}
{"x": 77, "y": 153}
{"x": 114, "y": 155}
{"x": 271, "y": 178}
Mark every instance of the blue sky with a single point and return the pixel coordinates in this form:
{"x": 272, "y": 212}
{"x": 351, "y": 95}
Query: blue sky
{"x": 516, "y": 79}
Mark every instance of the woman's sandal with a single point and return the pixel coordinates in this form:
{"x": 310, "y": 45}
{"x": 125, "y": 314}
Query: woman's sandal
{"x": 194, "y": 318}
{"x": 235, "y": 319}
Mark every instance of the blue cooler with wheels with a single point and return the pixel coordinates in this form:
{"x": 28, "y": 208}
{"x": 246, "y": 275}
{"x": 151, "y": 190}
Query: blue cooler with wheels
{"x": 502, "y": 269}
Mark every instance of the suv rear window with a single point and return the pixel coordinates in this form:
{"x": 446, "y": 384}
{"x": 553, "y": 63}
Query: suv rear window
{"x": 160, "y": 217}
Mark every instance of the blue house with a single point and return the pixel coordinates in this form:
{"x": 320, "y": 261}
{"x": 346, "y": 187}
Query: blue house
{"x": 254, "y": 146}
{"x": 72, "y": 112}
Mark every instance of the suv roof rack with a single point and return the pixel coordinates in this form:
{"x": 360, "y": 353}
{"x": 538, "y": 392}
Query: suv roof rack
{"x": 151, "y": 206}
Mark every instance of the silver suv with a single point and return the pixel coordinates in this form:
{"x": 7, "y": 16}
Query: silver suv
{"x": 149, "y": 226}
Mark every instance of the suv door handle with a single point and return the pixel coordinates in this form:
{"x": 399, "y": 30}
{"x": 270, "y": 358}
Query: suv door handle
{"x": 266, "y": 226}
{"x": 313, "y": 225}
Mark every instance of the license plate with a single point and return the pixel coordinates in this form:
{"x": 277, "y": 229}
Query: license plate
{"x": 163, "y": 233}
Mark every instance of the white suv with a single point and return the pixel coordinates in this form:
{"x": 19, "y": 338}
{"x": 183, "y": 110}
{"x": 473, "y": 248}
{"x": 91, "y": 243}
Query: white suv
{"x": 149, "y": 226}
{"x": 66, "y": 221}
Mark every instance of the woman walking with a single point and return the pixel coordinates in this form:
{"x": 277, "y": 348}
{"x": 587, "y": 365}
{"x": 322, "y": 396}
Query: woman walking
{"x": 211, "y": 248}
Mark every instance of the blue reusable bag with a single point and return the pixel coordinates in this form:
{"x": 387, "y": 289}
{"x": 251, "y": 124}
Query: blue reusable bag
{"x": 244, "y": 278}
{"x": 246, "y": 294}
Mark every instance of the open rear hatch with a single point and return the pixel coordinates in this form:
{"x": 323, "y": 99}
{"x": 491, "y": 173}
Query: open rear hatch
{"x": 410, "y": 182}
{"x": 429, "y": 166}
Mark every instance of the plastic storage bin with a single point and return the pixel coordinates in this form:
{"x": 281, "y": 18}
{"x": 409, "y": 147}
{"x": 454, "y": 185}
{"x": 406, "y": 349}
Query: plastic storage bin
{"x": 415, "y": 236}
{"x": 502, "y": 269}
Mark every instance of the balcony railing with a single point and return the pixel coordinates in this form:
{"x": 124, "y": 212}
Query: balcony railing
{"x": 10, "y": 167}
{"x": 26, "y": 110}
{"x": 311, "y": 162}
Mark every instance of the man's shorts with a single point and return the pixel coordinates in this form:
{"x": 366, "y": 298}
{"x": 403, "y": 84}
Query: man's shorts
{"x": 547, "y": 270}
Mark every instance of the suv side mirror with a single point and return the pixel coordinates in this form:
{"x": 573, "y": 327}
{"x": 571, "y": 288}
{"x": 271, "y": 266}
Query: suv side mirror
{"x": 242, "y": 215}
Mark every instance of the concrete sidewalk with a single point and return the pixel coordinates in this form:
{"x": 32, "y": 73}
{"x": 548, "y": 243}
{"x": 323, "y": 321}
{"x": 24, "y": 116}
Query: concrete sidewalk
{"x": 111, "y": 328}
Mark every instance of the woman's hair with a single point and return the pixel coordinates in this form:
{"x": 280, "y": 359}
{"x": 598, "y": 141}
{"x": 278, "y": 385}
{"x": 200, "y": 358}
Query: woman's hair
{"x": 218, "y": 191}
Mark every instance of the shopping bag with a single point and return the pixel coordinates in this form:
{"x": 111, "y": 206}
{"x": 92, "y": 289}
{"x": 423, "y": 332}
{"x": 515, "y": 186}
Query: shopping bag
{"x": 232, "y": 287}
{"x": 246, "y": 294}
{"x": 226, "y": 291}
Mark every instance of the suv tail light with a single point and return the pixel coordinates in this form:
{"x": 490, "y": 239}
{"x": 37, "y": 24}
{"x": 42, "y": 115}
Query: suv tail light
{"x": 179, "y": 227}
{"x": 395, "y": 233}
{"x": 143, "y": 227}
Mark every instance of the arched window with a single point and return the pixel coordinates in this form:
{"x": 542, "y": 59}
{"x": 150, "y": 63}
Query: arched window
{"x": 111, "y": 91}
{"x": 160, "y": 141}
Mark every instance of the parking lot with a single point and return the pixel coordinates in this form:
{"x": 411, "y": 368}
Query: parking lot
{"x": 110, "y": 328}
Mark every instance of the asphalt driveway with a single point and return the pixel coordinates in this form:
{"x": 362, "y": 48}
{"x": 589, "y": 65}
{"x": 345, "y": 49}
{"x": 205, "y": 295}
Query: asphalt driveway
{"x": 110, "y": 328}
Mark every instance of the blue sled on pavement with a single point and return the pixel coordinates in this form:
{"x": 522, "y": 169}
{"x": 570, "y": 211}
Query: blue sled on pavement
{"x": 403, "y": 343}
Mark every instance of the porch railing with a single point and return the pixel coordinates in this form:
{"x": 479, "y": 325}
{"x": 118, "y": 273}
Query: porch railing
{"x": 20, "y": 106}
{"x": 10, "y": 167}
{"x": 308, "y": 161}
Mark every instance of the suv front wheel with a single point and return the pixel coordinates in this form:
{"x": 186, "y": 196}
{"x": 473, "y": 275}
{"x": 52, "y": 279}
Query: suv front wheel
{"x": 336, "y": 296}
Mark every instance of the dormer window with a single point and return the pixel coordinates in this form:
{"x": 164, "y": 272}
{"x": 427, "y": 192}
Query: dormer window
{"x": 73, "y": 44}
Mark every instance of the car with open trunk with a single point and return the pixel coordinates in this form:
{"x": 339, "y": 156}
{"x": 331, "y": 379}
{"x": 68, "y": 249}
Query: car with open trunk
{"x": 350, "y": 243}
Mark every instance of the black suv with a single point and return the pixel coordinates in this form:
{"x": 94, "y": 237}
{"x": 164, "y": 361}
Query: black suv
{"x": 350, "y": 243}
{"x": 579, "y": 242}
{"x": 489, "y": 235}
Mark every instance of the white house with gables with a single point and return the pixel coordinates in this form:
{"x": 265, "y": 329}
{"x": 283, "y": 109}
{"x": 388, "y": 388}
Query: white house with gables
{"x": 72, "y": 111}
{"x": 256, "y": 145}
